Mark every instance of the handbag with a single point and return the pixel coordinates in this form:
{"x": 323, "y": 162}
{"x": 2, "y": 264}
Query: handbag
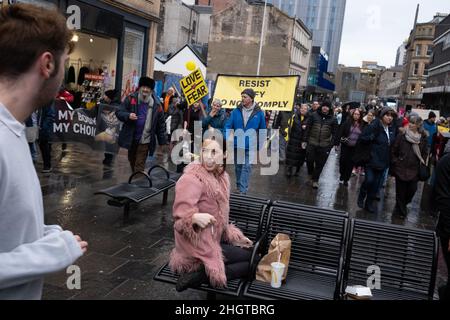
{"x": 424, "y": 171}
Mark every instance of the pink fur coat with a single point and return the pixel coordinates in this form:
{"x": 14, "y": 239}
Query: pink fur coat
{"x": 199, "y": 191}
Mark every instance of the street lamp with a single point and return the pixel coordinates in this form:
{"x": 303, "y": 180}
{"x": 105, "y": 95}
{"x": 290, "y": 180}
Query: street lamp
{"x": 262, "y": 37}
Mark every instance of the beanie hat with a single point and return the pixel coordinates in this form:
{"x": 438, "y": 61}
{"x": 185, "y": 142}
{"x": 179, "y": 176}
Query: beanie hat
{"x": 326, "y": 103}
{"x": 431, "y": 115}
{"x": 111, "y": 94}
{"x": 386, "y": 110}
{"x": 250, "y": 92}
{"x": 147, "y": 82}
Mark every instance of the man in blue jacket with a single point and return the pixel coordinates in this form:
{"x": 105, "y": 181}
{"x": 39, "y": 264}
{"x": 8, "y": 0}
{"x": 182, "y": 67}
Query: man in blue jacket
{"x": 247, "y": 116}
{"x": 143, "y": 118}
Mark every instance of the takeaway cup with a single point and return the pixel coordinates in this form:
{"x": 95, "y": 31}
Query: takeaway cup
{"x": 277, "y": 274}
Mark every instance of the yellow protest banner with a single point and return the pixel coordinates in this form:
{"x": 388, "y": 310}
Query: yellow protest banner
{"x": 194, "y": 87}
{"x": 272, "y": 93}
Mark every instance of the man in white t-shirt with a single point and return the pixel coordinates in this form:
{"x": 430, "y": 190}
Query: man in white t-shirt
{"x": 31, "y": 72}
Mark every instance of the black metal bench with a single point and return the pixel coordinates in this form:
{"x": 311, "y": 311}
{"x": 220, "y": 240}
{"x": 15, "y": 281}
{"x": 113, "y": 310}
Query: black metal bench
{"x": 157, "y": 180}
{"x": 248, "y": 214}
{"x": 407, "y": 259}
{"x": 317, "y": 258}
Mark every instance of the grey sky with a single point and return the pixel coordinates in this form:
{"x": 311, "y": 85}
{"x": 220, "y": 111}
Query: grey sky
{"x": 374, "y": 29}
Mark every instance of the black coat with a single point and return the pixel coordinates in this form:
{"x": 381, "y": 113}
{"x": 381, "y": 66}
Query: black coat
{"x": 322, "y": 130}
{"x": 294, "y": 149}
{"x": 404, "y": 162}
{"x": 442, "y": 195}
{"x": 126, "y": 135}
{"x": 380, "y": 151}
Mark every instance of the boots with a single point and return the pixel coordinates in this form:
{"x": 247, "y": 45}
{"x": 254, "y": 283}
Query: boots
{"x": 192, "y": 280}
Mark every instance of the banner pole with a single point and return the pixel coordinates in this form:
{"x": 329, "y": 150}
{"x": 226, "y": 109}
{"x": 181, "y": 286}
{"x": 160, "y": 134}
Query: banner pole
{"x": 262, "y": 38}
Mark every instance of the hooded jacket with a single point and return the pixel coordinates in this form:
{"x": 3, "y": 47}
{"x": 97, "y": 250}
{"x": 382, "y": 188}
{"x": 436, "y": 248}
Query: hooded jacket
{"x": 199, "y": 191}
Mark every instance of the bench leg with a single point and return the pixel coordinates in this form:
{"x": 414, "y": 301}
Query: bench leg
{"x": 211, "y": 296}
{"x": 165, "y": 195}
{"x": 126, "y": 212}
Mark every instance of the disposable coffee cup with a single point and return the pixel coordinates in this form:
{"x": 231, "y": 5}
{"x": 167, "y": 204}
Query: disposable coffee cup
{"x": 277, "y": 274}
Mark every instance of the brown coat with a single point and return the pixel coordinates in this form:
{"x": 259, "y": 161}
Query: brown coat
{"x": 404, "y": 162}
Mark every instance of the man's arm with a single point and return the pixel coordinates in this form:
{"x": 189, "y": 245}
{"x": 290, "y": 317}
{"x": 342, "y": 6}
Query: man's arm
{"x": 32, "y": 261}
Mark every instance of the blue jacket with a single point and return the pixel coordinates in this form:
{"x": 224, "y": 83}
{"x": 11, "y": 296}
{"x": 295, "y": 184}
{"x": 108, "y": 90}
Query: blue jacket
{"x": 256, "y": 121}
{"x": 380, "y": 154}
{"x": 218, "y": 122}
{"x": 126, "y": 135}
{"x": 46, "y": 119}
{"x": 432, "y": 130}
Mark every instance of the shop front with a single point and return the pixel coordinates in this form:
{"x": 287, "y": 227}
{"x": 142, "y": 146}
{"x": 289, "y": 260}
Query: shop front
{"x": 114, "y": 46}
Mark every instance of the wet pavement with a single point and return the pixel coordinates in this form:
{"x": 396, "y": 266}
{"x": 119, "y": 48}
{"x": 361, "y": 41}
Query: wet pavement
{"x": 123, "y": 258}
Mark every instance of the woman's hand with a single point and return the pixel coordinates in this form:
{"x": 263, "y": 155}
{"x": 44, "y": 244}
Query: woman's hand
{"x": 244, "y": 243}
{"x": 203, "y": 219}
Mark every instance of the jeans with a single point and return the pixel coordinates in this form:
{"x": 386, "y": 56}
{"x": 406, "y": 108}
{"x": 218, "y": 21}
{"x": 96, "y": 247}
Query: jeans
{"x": 369, "y": 188}
{"x": 33, "y": 151}
{"x": 243, "y": 170}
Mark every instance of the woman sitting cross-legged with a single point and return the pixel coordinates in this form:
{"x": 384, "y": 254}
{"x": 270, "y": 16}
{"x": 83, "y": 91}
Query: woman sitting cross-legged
{"x": 207, "y": 247}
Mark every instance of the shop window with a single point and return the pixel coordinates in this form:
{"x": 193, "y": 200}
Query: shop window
{"x": 133, "y": 56}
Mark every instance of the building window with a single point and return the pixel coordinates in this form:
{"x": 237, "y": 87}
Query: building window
{"x": 415, "y": 69}
{"x": 418, "y": 50}
{"x": 413, "y": 89}
{"x": 133, "y": 57}
{"x": 394, "y": 75}
{"x": 429, "y": 50}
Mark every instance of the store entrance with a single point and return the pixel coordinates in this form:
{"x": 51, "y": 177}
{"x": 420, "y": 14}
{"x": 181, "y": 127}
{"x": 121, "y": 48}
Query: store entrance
{"x": 91, "y": 69}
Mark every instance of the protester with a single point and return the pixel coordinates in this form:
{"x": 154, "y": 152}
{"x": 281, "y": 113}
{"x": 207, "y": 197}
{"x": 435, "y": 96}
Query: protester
{"x": 46, "y": 119}
{"x": 112, "y": 98}
{"x": 143, "y": 122}
{"x": 442, "y": 199}
{"x": 320, "y": 137}
{"x": 31, "y": 71}
{"x": 216, "y": 117}
{"x": 281, "y": 123}
{"x": 295, "y": 154}
{"x": 431, "y": 127}
{"x": 168, "y": 99}
{"x": 380, "y": 134}
{"x": 207, "y": 246}
{"x": 348, "y": 137}
{"x": 409, "y": 150}
{"x": 247, "y": 116}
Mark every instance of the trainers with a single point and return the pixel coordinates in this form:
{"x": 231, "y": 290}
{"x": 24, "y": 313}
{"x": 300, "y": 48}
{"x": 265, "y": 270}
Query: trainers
{"x": 47, "y": 170}
{"x": 315, "y": 185}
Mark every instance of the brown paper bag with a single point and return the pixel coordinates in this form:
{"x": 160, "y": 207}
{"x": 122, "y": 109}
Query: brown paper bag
{"x": 280, "y": 244}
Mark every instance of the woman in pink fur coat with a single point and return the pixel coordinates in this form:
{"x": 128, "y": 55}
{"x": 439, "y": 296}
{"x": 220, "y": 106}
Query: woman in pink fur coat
{"x": 207, "y": 246}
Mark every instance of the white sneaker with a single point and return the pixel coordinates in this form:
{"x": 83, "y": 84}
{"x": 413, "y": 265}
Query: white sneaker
{"x": 47, "y": 170}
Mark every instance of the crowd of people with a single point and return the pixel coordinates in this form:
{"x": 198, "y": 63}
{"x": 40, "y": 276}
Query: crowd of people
{"x": 375, "y": 140}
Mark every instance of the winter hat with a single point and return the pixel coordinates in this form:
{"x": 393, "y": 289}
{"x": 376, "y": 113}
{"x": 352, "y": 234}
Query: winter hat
{"x": 111, "y": 94}
{"x": 386, "y": 110}
{"x": 431, "y": 115}
{"x": 147, "y": 82}
{"x": 326, "y": 103}
{"x": 250, "y": 92}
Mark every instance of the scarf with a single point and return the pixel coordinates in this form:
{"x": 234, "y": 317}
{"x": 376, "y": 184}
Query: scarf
{"x": 414, "y": 139}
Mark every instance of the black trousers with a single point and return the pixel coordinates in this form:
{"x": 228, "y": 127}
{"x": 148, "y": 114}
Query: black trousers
{"x": 46, "y": 150}
{"x": 345, "y": 162}
{"x": 446, "y": 254}
{"x": 404, "y": 193}
{"x": 316, "y": 159}
{"x": 237, "y": 261}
